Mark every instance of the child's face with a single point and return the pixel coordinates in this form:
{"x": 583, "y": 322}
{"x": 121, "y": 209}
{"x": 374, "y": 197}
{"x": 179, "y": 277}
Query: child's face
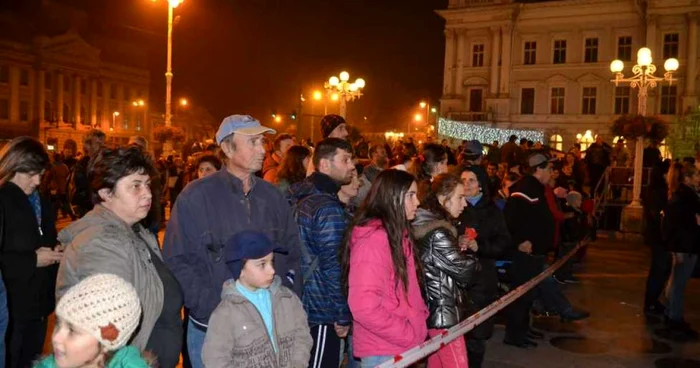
{"x": 258, "y": 273}
{"x": 74, "y": 347}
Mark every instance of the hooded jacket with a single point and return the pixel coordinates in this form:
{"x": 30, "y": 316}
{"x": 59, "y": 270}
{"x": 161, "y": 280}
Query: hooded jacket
{"x": 126, "y": 357}
{"x": 237, "y": 335}
{"x": 322, "y": 222}
{"x": 101, "y": 242}
{"x": 448, "y": 270}
{"x": 528, "y": 216}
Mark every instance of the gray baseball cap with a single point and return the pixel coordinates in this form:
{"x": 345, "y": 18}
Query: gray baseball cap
{"x": 241, "y": 124}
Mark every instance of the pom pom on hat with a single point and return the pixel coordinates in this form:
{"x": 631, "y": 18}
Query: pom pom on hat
{"x": 104, "y": 305}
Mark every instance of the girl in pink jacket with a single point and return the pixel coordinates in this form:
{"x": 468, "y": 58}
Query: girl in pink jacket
{"x": 381, "y": 271}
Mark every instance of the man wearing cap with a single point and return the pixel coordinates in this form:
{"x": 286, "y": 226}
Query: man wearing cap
{"x": 334, "y": 126}
{"x": 531, "y": 225}
{"x": 211, "y": 210}
{"x": 472, "y": 154}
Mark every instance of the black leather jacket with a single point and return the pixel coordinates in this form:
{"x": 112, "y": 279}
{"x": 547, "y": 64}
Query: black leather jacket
{"x": 447, "y": 270}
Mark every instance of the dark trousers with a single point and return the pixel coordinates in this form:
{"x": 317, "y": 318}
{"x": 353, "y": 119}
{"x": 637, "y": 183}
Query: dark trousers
{"x": 523, "y": 268}
{"x": 325, "y": 352}
{"x": 659, "y": 271}
{"x": 566, "y": 270}
{"x": 595, "y": 173}
{"x": 553, "y": 299}
{"x": 25, "y": 340}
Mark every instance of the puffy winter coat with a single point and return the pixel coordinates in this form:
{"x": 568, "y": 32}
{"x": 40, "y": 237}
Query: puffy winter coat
{"x": 448, "y": 270}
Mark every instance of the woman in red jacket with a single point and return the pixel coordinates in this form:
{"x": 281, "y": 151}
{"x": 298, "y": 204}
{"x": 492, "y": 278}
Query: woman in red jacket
{"x": 381, "y": 271}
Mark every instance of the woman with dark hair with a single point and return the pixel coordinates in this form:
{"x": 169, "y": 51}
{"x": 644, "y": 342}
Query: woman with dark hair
{"x": 293, "y": 167}
{"x": 110, "y": 239}
{"x": 447, "y": 269}
{"x": 430, "y": 163}
{"x": 493, "y": 239}
{"x": 681, "y": 229}
{"x": 28, "y": 256}
{"x": 207, "y": 165}
{"x": 381, "y": 271}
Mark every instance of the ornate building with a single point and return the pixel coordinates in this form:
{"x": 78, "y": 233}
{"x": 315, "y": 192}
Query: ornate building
{"x": 56, "y": 85}
{"x": 546, "y": 65}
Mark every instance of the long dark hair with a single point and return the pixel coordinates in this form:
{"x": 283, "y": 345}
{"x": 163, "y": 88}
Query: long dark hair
{"x": 385, "y": 202}
{"x": 423, "y": 166}
{"x": 292, "y": 168}
{"x": 22, "y": 155}
{"x": 677, "y": 174}
{"x": 442, "y": 185}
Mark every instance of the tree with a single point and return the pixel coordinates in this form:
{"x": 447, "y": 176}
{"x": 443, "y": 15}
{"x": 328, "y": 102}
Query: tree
{"x": 684, "y": 139}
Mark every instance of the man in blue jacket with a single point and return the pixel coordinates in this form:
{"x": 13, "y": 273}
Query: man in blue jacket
{"x": 211, "y": 210}
{"x": 322, "y": 223}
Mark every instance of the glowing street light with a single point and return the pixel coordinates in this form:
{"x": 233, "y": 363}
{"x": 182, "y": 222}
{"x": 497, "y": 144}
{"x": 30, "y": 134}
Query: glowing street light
{"x": 278, "y": 119}
{"x": 114, "y": 120}
{"x": 318, "y": 95}
{"x": 184, "y": 102}
{"x": 418, "y": 117}
{"x": 643, "y": 78}
{"x": 341, "y": 89}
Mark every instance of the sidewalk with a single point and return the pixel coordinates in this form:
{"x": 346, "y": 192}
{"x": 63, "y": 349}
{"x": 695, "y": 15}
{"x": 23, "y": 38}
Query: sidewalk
{"x": 617, "y": 334}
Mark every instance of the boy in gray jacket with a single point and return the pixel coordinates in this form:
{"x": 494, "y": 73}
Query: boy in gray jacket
{"x": 259, "y": 322}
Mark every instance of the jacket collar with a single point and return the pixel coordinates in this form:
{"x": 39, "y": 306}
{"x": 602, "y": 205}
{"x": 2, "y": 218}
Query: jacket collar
{"x": 232, "y": 181}
{"x": 230, "y": 291}
{"x": 324, "y": 183}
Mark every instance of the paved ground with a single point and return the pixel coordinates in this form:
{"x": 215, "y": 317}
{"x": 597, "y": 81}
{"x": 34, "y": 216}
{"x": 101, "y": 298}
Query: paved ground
{"x": 617, "y": 333}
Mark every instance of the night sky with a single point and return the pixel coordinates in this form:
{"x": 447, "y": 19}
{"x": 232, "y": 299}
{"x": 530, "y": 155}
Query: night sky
{"x": 255, "y": 56}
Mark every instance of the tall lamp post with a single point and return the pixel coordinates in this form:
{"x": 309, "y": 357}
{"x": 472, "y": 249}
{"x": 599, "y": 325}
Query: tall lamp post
{"x": 172, "y": 4}
{"x": 643, "y": 79}
{"x": 346, "y": 91}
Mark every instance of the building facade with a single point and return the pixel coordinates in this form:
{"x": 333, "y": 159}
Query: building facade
{"x": 58, "y": 87}
{"x": 546, "y": 65}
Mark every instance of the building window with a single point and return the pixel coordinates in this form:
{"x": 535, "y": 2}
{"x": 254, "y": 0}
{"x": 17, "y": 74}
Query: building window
{"x": 138, "y": 122}
{"x": 99, "y": 89}
{"x": 125, "y": 121}
{"x": 559, "y": 52}
{"x": 670, "y": 45}
{"x": 66, "y": 113}
{"x": 624, "y": 48}
{"x": 4, "y": 74}
{"x": 527, "y": 101}
{"x": 48, "y": 112}
{"x": 83, "y": 116}
{"x": 476, "y": 100}
{"x": 530, "y": 53}
{"x": 113, "y": 91}
{"x": 668, "y": 100}
{"x": 591, "y": 50}
{"x": 24, "y": 77}
{"x": 4, "y": 109}
{"x": 478, "y": 55}
{"x": 99, "y": 117}
{"x": 24, "y": 111}
{"x": 556, "y": 141}
{"x": 48, "y": 81}
{"x": 139, "y": 93}
{"x": 83, "y": 86}
{"x": 557, "y": 100}
{"x": 622, "y": 100}
{"x": 127, "y": 94}
{"x": 589, "y": 100}
{"x": 66, "y": 84}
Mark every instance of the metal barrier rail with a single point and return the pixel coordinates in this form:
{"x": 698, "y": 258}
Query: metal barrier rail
{"x": 434, "y": 344}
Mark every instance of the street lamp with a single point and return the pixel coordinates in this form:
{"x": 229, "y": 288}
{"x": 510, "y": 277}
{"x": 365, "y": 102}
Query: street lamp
{"x": 340, "y": 89}
{"x": 137, "y": 105}
{"x": 184, "y": 102}
{"x": 643, "y": 79}
{"x": 114, "y": 120}
{"x": 172, "y": 4}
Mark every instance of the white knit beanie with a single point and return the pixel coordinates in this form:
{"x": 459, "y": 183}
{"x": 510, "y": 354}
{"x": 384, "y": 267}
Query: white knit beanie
{"x": 104, "y": 305}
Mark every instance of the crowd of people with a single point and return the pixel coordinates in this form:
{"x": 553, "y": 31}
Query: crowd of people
{"x": 299, "y": 255}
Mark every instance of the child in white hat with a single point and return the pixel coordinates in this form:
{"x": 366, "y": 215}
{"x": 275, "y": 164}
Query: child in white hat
{"x": 94, "y": 321}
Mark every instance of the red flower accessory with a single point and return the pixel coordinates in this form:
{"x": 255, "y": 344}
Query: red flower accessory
{"x": 471, "y": 233}
{"x": 421, "y": 158}
{"x": 109, "y": 332}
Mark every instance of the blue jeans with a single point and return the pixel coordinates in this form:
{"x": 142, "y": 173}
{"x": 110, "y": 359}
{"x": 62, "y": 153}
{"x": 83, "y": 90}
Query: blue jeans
{"x": 373, "y": 361}
{"x": 683, "y": 266}
{"x": 4, "y": 317}
{"x": 195, "y": 342}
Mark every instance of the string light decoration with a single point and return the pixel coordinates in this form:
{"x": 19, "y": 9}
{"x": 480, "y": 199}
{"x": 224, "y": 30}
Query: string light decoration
{"x": 468, "y": 131}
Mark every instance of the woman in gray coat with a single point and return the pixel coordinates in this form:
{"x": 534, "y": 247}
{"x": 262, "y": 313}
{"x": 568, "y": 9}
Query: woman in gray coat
{"x": 110, "y": 239}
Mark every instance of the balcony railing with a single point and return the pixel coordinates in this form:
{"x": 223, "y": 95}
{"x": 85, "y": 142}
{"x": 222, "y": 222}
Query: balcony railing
{"x": 467, "y": 116}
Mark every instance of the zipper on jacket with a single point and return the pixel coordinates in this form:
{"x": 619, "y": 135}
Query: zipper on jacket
{"x": 246, "y": 203}
{"x": 274, "y": 328}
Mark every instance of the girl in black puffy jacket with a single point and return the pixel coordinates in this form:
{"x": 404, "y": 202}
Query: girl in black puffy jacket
{"x": 447, "y": 268}
{"x": 493, "y": 239}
